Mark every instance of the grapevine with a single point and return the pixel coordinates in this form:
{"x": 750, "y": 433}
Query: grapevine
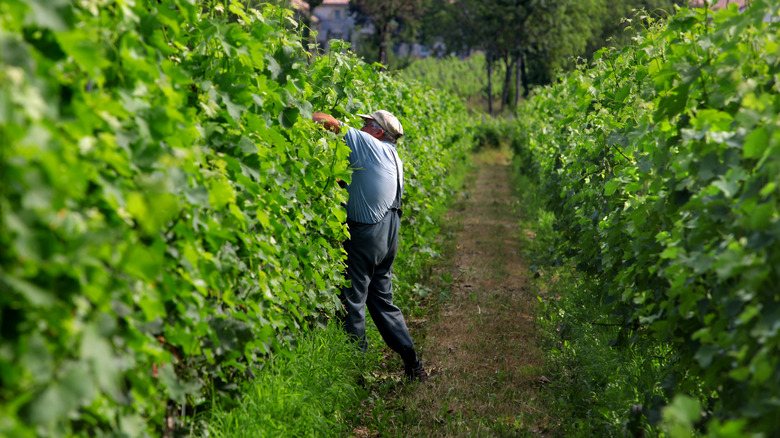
{"x": 169, "y": 212}
{"x": 661, "y": 166}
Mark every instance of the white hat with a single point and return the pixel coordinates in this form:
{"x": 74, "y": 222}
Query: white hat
{"x": 387, "y": 121}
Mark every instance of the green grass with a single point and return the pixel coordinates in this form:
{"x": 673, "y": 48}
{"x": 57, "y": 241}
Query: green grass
{"x": 310, "y": 391}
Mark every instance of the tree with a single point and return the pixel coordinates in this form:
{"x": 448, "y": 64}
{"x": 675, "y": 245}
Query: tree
{"x": 618, "y": 22}
{"x": 532, "y": 38}
{"x": 384, "y": 13}
{"x": 559, "y": 36}
{"x": 516, "y": 33}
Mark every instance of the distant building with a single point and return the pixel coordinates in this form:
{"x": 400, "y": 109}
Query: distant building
{"x": 720, "y": 4}
{"x": 301, "y": 9}
{"x": 333, "y": 21}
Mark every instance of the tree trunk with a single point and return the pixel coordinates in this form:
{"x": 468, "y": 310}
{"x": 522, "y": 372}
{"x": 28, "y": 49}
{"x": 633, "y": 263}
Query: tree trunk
{"x": 517, "y": 80}
{"x": 384, "y": 31}
{"x": 524, "y": 72}
{"x": 489, "y": 61}
{"x": 507, "y": 79}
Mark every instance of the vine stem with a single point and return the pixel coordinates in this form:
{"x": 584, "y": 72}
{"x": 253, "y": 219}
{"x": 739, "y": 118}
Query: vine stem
{"x": 621, "y": 153}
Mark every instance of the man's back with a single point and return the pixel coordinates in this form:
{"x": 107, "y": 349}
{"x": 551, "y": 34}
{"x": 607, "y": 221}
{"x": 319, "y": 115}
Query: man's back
{"x": 374, "y": 178}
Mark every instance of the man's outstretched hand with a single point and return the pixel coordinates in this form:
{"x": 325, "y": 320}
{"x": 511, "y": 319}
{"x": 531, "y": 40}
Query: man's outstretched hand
{"x": 327, "y": 121}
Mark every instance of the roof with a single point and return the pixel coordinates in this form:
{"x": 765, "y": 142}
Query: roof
{"x": 720, "y": 4}
{"x": 300, "y": 4}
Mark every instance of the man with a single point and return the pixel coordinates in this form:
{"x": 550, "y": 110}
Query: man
{"x": 373, "y": 218}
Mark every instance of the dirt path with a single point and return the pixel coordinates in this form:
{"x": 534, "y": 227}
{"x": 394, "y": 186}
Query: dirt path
{"x": 480, "y": 347}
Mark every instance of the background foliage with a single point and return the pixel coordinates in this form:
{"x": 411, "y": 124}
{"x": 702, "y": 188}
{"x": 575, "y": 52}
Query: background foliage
{"x": 661, "y": 167}
{"x": 533, "y": 40}
{"x": 170, "y": 215}
{"x": 464, "y": 78}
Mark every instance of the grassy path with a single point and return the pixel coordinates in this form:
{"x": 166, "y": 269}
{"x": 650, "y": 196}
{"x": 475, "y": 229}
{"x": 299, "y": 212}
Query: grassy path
{"x": 480, "y": 344}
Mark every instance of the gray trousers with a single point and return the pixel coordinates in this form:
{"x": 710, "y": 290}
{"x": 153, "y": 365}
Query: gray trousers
{"x": 371, "y": 251}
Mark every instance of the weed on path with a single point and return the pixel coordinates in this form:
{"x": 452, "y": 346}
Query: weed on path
{"x": 479, "y": 343}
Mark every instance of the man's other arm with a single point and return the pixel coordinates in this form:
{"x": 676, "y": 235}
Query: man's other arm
{"x": 331, "y": 124}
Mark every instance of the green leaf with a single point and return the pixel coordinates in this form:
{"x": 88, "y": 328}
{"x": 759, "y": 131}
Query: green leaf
{"x": 152, "y": 211}
{"x": 712, "y": 120}
{"x": 77, "y": 385}
{"x": 247, "y": 146}
{"x": 33, "y": 294}
{"x": 729, "y": 188}
{"x": 239, "y": 215}
{"x": 768, "y": 189}
{"x": 143, "y": 262}
{"x": 756, "y": 143}
{"x": 761, "y": 217}
{"x": 730, "y": 262}
{"x": 197, "y": 196}
{"x": 623, "y": 92}
{"x": 48, "y": 14}
{"x": 74, "y": 389}
{"x": 705, "y": 353}
{"x": 263, "y": 218}
{"x": 610, "y": 187}
{"x": 97, "y": 351}
{"x": 764, "y": 367}
{"x": 221, "y": 193}
{"x": 234, "y": 110}
{"x": 84, "y": 51}
{"x": 272, "y": 65}
{"x": 670, "y": 252}
{"x": 673, "y": 103}
{"x": 681, "y": 414}
{"x": 15, "y": 52}
{"x": 288, "y": 117}
{"x": 38, "y": 360}
{"x": 305, "y": 109}
{"x": 177, "y": 389}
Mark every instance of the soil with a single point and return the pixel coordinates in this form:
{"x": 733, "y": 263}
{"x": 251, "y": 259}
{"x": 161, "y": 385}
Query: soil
{"x": 479, "y": 345}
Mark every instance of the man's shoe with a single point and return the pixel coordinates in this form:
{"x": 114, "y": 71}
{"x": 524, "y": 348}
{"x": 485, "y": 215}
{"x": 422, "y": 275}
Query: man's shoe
{"x": 416, "y": 372}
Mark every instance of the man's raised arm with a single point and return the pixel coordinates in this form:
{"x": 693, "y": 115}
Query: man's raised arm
{"x": 327, "y": 121}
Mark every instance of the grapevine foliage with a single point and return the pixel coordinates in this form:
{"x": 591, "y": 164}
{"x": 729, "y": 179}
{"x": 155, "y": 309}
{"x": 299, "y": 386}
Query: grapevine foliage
{"x": 169, "y": 212}
{"x": 662, "y": 166}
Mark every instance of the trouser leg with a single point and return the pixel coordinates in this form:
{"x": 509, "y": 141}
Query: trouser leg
{"x": 371, "y": 252}
{"x": 353, "y": 298}
{"x": 388, "y": 317}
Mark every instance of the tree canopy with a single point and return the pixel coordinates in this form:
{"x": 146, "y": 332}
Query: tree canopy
{"x": 532, "y": 38}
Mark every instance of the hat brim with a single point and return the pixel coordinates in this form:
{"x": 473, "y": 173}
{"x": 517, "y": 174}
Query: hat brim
{"x": 366, "y": 116}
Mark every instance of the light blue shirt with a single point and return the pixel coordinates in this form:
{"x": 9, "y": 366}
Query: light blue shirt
{"x": 374, "y": 177}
